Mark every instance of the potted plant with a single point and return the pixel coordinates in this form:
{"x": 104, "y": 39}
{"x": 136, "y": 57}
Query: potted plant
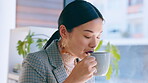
{"x": 23, "y": 49}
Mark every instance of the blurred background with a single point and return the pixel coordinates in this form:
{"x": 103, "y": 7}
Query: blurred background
{"x": 125, "y": 25}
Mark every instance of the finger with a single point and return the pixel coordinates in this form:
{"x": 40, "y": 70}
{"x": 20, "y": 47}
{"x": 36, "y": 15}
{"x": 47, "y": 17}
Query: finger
{"x": 90, "y": 58}
{"x": 94, "y": 70}
{"x": 91, "y": 71}
{"x": 93, "y": 63}
{"x": 88, "y": 54}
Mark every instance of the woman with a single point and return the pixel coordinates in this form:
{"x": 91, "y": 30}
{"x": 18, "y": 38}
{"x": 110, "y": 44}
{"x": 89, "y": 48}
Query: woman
{"x": 65, "y": 57}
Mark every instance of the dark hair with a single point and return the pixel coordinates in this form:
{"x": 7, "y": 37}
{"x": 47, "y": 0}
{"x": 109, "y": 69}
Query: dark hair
{"x": 74, "y": 14}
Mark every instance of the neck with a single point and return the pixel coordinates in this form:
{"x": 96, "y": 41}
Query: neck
{"x": 64, "y": 49}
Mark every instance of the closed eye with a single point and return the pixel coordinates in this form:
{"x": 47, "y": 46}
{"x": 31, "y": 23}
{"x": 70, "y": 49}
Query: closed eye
{"x": 87, "y": 37}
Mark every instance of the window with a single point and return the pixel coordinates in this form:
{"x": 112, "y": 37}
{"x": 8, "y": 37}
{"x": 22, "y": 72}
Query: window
{"x": 130, "y": 33}
{"x": 134, "y": 2}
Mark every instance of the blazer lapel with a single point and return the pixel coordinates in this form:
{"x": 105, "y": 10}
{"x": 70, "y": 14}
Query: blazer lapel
{"x": 56, "y": 61}
{"x": 60, "y": 74}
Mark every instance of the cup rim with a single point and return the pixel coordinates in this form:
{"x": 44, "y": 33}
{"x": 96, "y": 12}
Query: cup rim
{"x": 100, "y": 52}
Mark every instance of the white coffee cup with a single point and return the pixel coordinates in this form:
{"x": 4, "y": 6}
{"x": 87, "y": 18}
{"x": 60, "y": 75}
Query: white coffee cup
{"x": 103, "y": 62}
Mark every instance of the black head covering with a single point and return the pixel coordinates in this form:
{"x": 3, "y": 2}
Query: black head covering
{"x": 77, "y": 13}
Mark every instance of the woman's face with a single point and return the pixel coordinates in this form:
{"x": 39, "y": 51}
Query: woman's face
{"x": 84, "y": 38}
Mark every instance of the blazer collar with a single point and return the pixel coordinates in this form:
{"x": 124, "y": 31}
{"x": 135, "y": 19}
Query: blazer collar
{"x": 56, "y": 61}
{"x": 54, "y": 54}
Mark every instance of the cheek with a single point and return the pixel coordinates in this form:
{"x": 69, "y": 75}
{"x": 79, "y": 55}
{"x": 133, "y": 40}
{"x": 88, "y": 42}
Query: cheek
{"x": 98, "y": 42}
{"x": 80, "y": 43}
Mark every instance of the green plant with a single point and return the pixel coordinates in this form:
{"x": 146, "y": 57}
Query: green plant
{"x": 115, "y": 58}
{"x": 23, "y": 47}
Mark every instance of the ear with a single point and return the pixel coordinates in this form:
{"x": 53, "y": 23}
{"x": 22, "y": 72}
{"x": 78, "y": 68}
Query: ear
{"x": 63, "y": 31}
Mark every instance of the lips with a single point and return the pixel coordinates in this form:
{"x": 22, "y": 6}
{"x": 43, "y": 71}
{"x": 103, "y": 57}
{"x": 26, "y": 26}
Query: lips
{"x": 89, "y": 52}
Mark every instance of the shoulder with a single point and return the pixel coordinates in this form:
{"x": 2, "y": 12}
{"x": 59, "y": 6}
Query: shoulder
{"x": 37, "y": 60}
{"x": 39, "y": 55}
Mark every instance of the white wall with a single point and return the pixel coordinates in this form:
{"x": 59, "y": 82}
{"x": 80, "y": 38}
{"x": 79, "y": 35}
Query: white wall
{"x": 7, "y": 22}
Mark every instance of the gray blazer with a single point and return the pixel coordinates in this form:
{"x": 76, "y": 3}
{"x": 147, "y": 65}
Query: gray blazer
{"x": 44, "y": 66}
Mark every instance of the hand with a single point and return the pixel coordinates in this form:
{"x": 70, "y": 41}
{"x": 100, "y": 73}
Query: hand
{"x": 83, "y": 71}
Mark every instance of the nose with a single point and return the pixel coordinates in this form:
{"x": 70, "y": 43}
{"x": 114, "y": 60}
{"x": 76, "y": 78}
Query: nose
{"x": 93, "y": 43}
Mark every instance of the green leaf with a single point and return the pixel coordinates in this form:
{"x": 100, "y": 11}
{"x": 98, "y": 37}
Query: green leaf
{"x": 99, "y": 45}
{"x": 40, "y": 42}
{"x": 29, "y": 42}
{"x": 19, "y": 43}
{"x": 109, "y": 73}
{"x": 24, "y": 46}
{"x": 114, "y": 48}
{"x": 115, "y": 59}
{"x": 108, "y": 47}
{"x": 21, "y": 48}
{"x": 115, "y": 53}
{"x": 116, "y": 66}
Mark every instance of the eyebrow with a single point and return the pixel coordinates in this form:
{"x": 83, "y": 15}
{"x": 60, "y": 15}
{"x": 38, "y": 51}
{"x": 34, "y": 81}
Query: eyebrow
{"x": 91, "y": 31}
{"x": 88, "y": 31}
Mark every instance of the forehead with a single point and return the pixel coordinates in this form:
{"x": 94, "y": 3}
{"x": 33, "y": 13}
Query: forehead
{"x": 94, "y": 25}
